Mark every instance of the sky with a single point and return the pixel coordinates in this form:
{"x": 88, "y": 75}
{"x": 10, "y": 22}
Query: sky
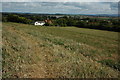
{"x": 59, "y": 0}
{"x": 68, "y": 7}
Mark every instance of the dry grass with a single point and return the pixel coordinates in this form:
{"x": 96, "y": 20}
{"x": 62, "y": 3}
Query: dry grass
{"x": 50, "y": 52}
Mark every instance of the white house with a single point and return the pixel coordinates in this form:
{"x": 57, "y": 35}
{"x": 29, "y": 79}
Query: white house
{"x": 40, "y": 23}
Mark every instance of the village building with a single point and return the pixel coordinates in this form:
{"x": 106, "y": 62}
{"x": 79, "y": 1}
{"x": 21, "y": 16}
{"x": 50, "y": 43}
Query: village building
{"x": 48, "y": 21}
{"x": 39, "y": 23}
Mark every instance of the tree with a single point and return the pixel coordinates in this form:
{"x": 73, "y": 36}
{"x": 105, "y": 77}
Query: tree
{"x": 18, "y": 19}
{"x": 80, "y": 24}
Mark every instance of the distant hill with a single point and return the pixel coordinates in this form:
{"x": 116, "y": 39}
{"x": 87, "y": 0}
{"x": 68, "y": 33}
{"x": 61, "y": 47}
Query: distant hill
{"x": 104, "y": 15}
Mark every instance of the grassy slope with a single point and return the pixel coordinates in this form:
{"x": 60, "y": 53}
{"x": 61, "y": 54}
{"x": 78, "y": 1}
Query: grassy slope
{"x": 33, "y": 51}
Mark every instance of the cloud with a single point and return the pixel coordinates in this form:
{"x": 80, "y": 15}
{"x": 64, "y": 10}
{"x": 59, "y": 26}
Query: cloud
{"x": 62, "y": 7}
{"x": 114, "y": 6}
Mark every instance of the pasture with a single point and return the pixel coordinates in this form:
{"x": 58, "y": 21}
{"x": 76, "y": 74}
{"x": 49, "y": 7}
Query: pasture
{"x": 58, "y": 52}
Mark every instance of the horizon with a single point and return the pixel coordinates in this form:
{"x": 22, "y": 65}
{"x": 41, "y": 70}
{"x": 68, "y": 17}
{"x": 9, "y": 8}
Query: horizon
{"x": 55, "y": 13}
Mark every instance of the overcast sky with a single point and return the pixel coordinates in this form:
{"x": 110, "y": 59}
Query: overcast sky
{"x": 61, "y": 7}
{"x": 59, "y": 0}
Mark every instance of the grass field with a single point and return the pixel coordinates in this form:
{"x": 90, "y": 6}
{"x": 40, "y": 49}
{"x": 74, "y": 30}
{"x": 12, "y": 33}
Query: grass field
{"x": 58, "y": 52}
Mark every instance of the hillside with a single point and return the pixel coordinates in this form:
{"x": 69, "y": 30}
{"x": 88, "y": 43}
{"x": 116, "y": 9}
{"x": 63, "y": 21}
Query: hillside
{"x": 58, "y": 52}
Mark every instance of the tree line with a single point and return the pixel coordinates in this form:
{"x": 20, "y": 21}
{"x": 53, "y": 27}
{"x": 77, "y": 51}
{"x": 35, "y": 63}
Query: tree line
{"x": 87, "y": 22}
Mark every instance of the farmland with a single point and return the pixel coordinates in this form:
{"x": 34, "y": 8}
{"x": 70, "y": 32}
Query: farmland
{"x": 58, "y": 52}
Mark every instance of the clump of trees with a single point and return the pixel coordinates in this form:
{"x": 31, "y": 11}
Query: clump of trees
{"x": 85, "y": 22}
{"x": 16, "y": 18}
